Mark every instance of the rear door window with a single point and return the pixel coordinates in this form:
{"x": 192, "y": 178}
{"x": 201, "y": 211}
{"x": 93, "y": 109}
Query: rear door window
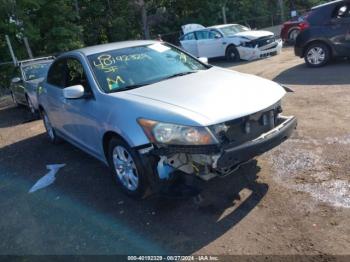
{"x": 189, "y": 36}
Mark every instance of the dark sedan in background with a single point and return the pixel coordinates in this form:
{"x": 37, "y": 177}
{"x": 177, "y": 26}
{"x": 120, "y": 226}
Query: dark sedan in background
{"x": 326, "y": 34}
{"x": 28, "y": 75}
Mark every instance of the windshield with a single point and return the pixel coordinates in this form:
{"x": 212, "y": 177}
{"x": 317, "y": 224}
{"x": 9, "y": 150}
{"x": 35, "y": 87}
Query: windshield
{"x": 231, "y": 30}
{"x": 35, "y": 71}
{"x": 133, "y": 67}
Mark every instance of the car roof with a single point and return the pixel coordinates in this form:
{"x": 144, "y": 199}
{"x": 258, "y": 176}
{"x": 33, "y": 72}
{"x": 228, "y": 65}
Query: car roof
{"x": 36, "y": 61}
{"x": 328, "y": 4}
{"x": 112, "y": 46}
{"x": 221, "y": 26}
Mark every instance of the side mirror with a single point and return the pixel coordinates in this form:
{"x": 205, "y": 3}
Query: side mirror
{"x": 16, "y": 80}
{"x": 218, "y": 36}
{"x": 204, "y": 60}
{"x": 74, "y": 92}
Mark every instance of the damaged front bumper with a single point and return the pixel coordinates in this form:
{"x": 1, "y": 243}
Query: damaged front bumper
{"x": 252, "y": 53}
{"x": 222, "y": 159}
{"x": 258, "y": 146}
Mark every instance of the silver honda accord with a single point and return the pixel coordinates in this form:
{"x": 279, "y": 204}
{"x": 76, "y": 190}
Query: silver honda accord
{"x": 152, "y": 111}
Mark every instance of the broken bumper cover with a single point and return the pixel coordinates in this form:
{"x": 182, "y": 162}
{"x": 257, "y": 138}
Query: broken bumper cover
{"x": 262, "y": 144}
{"x": 248, "y": 53}
{"x": 231, "y": 156}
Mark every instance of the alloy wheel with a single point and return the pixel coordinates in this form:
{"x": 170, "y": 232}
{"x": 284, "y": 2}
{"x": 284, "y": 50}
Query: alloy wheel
{"x": 293, "y": 35}
{"x": 232, "y": 55}
{"x": 14, "y": 98}
{"x": 125, "y": 168}
{"x": 316, "y": 55}
{"x": 30, "y": 105}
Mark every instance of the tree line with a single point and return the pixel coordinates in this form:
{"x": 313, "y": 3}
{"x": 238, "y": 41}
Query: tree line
{"x": 53, "y": 26}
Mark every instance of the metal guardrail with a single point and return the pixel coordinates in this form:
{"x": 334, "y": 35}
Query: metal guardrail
{"x": 36, "y": 59}
{"x": 6, "y": 63}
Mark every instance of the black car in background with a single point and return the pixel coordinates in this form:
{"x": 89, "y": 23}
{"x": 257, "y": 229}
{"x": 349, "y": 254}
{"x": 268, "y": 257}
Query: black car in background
{"x": 326, "y": 34}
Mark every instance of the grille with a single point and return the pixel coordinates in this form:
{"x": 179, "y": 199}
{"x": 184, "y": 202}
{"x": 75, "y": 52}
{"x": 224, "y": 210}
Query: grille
{"x": 263, "y": 41}
{"x": 248, "y": 128}
{"x": 266, "y": 41}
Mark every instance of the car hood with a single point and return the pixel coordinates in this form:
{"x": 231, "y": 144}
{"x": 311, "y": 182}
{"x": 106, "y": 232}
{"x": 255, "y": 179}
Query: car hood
{"x": 252, "y": 35}
{"x": 216, "y": 94}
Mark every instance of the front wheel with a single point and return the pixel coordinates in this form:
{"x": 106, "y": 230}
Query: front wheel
{"x": 232, "y": 54}
{"x": 317, "y": 55}
{"x": 127, "y": 168}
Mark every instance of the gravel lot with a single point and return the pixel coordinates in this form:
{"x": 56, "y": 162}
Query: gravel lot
{"x": 293, "y": 200}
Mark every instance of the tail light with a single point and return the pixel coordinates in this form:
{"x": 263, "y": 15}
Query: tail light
{"x": 304, "y": 25}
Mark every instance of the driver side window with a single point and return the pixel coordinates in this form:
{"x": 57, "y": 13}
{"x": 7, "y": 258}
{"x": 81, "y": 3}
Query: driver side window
{"x": 75, "y": 75}
{"x": 55, "y": 75}
{"x": 342, "y": 11}
{"x": 213, "y": 34}
{"x": 202, "y": 35}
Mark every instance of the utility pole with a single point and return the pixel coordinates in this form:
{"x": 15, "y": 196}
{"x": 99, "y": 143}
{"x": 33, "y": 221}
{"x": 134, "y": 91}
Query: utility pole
{"x": 281, "y": 5}
{"x": 14, "y": 59}
{"x": 224, "y": 13}
{"x": 145, "y": 27}
{"x": 77, "y": 8}
{"x": 29, "y": 51}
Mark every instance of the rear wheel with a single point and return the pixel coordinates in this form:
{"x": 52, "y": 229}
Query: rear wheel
{"x": 317, "y": 55}
{"x": 127, "y": 168}
{"x": 292, "y": 36}
{"x": 232, "y": 54}
{"x": 31, "y": 107}
{"x": 49, "y": 129}
{"x": 14, "y": 100}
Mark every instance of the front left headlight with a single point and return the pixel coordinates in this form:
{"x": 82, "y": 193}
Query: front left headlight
{"x": 173, "y": 134}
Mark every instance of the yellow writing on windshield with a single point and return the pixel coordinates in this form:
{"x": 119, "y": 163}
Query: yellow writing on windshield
{"x": 114, "y": 84}
{"x": 108, "y": 63}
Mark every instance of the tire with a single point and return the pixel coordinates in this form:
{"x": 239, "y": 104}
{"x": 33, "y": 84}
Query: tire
{"x": 127, "y": 168}
{"x": 14, "y": 99}
{"x": 232, "y": 54}
{"x": 292, "y": 35}
{"x": 32, "y": 110}
{"x": 317, "y": 55}
{"x": 50, "y": 131}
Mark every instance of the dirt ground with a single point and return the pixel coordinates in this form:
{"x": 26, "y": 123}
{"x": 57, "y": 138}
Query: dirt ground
{"x": 292, "y": 200}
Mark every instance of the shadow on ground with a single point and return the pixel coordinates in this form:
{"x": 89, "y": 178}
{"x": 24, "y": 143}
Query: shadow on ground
{"x": 10, "y": 115}
{"x": 336, "y": 73}
{"x": 221, "y": 62}
{"x": 83, "y": 212}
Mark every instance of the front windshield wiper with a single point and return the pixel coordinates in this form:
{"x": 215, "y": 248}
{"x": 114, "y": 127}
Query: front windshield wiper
{"x": 179, "y": 74}
{"x": 125, "y": 88}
